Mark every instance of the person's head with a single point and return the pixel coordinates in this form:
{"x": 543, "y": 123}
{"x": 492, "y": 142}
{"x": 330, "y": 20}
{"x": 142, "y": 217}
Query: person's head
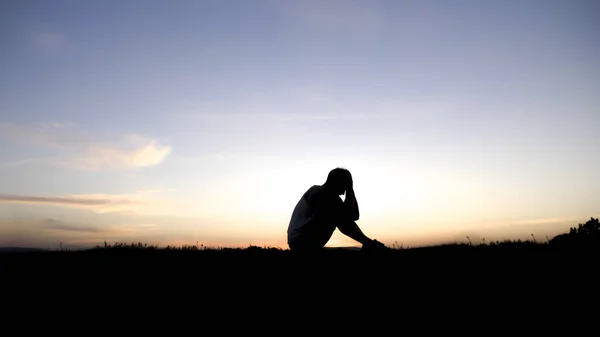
{"x": 338, "y": 179}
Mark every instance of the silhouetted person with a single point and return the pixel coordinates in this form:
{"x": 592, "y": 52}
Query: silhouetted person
{"x": 321, "y": 210}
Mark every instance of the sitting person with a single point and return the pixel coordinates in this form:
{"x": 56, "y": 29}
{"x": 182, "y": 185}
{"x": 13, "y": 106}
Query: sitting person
{"x": 321, "y": 210}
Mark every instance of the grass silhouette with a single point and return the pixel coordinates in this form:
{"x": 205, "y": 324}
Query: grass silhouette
{"x": 566, "y": 254}
{"x": 584, "y": 238}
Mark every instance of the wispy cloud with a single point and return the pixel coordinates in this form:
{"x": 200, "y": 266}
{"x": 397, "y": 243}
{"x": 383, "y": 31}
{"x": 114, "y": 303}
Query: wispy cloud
{"x": 69, "y": 201}
{"x": 82, "y": 150}
{"x": 51, "y": 232}
{"x": 53, "y": 224}
{"x": 99, "y": 157}
{"x": 139, "y": 203}
{"x": 123, "y": 229}
{"x": 542, "y": 221}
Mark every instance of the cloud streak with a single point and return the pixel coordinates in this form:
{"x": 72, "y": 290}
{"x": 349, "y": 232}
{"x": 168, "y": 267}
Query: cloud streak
{"x": 137, "y": 204}
{"x": 542, "y": 221}
{"x": 52, "y": 224}
{"x": 69, "y": 201}
{"x": 81, "y": 150}
{"x": 50, "y": 232}
{"x": 100, "y": 157}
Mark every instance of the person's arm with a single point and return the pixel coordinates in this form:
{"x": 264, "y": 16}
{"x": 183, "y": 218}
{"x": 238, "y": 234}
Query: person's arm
{"x": 351, "y": 204}
{"x": 350, "y": 229}
{"x": 348, "y": 214}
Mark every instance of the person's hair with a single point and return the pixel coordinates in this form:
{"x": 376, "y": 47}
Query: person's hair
{"x": 339, "y": 176}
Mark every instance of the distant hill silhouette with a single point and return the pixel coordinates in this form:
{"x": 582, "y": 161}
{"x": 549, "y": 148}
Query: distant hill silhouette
{"x": 5, "y": 250}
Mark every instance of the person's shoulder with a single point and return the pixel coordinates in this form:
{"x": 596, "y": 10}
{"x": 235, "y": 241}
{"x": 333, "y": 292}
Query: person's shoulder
{"x": 311, "y": 192}
{"x": 314, "y": 189}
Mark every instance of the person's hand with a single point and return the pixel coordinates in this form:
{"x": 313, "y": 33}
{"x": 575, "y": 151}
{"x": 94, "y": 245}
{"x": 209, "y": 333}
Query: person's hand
{"x": 378, "y": 245}
{"x": 375, "y": 246}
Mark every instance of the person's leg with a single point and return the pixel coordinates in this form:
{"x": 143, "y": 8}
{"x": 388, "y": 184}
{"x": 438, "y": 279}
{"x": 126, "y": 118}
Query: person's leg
{"x": 314, "y": 238}
{"x": 304, "y": 247}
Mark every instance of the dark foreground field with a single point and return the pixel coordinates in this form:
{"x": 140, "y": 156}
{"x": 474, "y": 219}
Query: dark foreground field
{"x": 516, "y": 284}
{"x": 522, "y": 273}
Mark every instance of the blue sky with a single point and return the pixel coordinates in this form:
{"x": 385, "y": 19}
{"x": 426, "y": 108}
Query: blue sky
{"x": 205, "y": 121}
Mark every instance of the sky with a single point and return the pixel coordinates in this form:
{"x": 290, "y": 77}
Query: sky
{"x": 204, "y": 122}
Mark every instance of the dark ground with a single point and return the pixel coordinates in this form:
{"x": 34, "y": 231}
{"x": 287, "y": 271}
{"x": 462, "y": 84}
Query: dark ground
{"x": 522, "y": 285}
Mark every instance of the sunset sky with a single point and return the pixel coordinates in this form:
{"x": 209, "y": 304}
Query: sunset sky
{"x": 184, "y": 122}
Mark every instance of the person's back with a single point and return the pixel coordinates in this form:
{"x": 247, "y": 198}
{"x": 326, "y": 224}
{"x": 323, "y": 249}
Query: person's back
{"x": 313, "y": 219}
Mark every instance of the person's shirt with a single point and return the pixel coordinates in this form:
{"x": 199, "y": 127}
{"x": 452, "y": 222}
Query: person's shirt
{"x": 316, "y": 214}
